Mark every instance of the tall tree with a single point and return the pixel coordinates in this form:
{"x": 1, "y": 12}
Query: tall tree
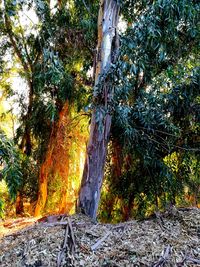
{"x": 21, "y": 46}
{"x": 53, "y": 59}
{"x": 56, "y": 168}
{"x": 145, "y": 53}
{"x": 107, "y": 49}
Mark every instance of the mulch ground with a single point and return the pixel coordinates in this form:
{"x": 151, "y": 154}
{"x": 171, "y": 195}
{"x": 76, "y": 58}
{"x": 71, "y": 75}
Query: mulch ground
{"x": 168, "y": 239}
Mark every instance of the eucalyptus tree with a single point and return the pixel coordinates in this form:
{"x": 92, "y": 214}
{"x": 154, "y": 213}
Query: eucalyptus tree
{"x": 73, "y": 38}
{"x": 54, "y": 53}
{"x": 159, "y": 34}
{"x": 107, "y": 49}
{"x": 22, "y": 46}
{"x": 17, "y": 45}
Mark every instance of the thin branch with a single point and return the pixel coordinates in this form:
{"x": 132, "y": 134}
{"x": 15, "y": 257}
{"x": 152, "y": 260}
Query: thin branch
{"x": 88, "y": 9}
{"x": 24, "y": 43}
{"x": 157, "y": 131}
{"x": 40, "y": 52}
{"x": 163, "y": 144}
{"x": 14, "y": 44}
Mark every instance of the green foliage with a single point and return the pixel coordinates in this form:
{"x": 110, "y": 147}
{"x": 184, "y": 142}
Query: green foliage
{"x": 66, "y": 56}
{"x": 52, "y": 49}
{"x": 1, "y": 208}
{"x": 10, "y": 166}
{"x": 156, "y": 104}
{"x": 10, "y": 160}
{"x": 157, "y": 124}
{"x": 163, "y": 33}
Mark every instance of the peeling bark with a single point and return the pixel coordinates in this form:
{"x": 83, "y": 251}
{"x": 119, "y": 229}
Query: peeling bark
{"x": 99, "y": 136}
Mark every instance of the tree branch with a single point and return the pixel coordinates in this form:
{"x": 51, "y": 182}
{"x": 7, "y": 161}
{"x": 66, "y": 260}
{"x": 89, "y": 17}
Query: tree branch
{"x": 14, "y": 44}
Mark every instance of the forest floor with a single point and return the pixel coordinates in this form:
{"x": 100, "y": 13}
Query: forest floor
{"x": 171, "y": 239}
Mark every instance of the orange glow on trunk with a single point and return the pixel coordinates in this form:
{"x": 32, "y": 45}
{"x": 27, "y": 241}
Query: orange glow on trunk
{"x": 60, "y": 172}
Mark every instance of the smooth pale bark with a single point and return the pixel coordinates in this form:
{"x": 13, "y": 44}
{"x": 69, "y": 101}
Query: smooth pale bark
{"x": 100, "y": 124}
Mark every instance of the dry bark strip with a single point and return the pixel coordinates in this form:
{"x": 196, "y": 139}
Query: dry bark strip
{"x": 188, "y": 259}
{"x": 195, "y": 261}
{"x": 100, "y": 241}
{"x": 163, "y": 258}
{"x": 63, "y": 223}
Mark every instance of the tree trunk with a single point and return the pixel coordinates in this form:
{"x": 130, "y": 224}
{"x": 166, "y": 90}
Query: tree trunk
{"x": 116, "y": 172}
{"x": 101, "y": 118}
{"x": 19, "y": 207}
{"x": 54, "y": 172}
{"x": 127, "y": 207}
{"x": 26, "y": 63}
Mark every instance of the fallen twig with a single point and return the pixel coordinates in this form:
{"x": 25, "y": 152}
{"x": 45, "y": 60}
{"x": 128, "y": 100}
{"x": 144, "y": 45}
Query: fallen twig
{"x": 71, "y": 238}
{"x": 63, "y": 223}
{"x": 61, "y": 253}
{"x": 160, "y": 220}
{"x": 68, "y": 245}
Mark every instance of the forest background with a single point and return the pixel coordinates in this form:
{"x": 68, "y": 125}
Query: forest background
{"x": 150, "y": 93}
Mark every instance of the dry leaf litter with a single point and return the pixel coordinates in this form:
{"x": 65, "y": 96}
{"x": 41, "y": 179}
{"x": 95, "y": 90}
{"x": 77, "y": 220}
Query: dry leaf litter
{"x": 168, "y": 239}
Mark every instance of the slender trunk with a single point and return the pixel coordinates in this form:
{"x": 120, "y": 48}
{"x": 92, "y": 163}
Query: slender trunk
{"x": 19, "y": 207}
{"x": 54, "y": 172}
{"x": 25, "y": 145}
{"x": 116, "y": 172}
{"x": 117, "y": 159}
{"x": 128, "y": 200}
{"x": 101, "y": 118}
{"x": 127, "y": 207}
{"x": 26, "y": 142}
